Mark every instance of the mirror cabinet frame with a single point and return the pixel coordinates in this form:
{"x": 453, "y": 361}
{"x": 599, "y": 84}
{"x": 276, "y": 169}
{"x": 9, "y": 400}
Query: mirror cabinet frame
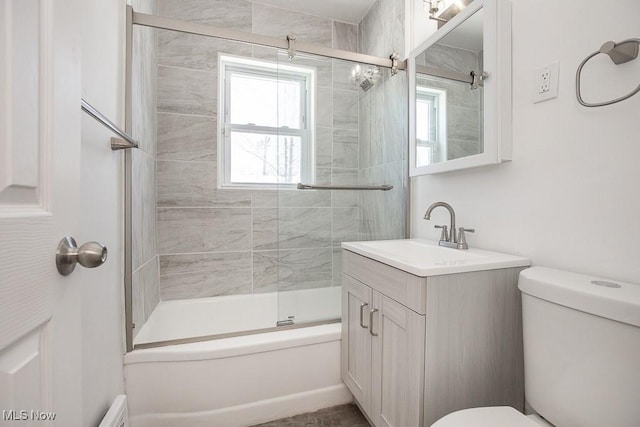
{"x": 497, "y": 120}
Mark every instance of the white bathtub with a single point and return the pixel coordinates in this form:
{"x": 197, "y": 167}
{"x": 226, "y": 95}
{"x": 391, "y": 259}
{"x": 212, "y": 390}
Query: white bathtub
{"x": 201, "y": 317}
{"x": 231, "y": 382}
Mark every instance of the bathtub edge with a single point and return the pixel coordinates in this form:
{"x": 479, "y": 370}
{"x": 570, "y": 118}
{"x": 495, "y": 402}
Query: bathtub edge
{"x": 237, "y": 346}
{"x": 252, "y": 413}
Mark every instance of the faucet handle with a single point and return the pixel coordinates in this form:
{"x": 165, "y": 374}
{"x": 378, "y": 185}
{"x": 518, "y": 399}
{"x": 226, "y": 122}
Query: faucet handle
{"x": 445, "y": 233}
{"x": 462, "y": 240}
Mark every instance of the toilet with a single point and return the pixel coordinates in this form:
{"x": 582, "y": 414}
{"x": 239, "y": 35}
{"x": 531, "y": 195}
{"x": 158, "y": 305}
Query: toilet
{"x": 581, "y": 355}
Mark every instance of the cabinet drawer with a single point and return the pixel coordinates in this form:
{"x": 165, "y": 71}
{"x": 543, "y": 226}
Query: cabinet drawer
{"x": 405, "y": 288}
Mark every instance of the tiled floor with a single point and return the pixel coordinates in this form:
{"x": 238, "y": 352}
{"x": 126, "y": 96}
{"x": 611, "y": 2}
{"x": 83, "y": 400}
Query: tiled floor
{"x": 337, "y": 416}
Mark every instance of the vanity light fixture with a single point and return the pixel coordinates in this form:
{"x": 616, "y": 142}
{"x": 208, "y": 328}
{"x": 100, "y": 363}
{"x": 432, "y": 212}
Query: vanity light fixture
{"x": 432, "y": 7}
{"x": 435, "y": 8}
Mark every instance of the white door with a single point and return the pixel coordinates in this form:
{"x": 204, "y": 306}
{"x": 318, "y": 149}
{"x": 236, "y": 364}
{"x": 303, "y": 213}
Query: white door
{"x": 40, "y": 313}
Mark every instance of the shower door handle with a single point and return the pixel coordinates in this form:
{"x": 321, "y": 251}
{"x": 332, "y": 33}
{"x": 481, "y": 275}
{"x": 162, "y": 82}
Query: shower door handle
{"x": 362, "y": 306}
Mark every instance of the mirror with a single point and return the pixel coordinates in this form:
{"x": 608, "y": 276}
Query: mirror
{"x": 457, "y": 119}
{"x": 449, "y": 112}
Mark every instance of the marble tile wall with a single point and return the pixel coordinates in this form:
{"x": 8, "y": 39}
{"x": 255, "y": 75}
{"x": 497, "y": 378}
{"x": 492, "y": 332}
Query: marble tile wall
{"x": 215, "y": 242}
{"x": 146, "y": 292}
{"x": 464, "y": 115}
{"x": 383, "y": 127}
{"x": 145, "y": 279}
{"x": 381, "y": 31}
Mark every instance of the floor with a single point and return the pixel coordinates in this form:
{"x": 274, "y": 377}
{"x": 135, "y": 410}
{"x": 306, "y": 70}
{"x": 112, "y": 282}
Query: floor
{"x": 336, "y": 416}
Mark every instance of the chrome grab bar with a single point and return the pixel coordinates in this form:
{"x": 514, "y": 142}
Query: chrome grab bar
{"x": 384, "y": 187}
{"x": 116, "y": 143}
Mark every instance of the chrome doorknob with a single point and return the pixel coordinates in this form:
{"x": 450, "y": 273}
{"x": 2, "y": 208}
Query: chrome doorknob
{"x": 89, "y": 255}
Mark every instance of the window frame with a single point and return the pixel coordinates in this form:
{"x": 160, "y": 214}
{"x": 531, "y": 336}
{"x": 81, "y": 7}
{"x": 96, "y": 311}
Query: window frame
{"x": 305, "y": 76}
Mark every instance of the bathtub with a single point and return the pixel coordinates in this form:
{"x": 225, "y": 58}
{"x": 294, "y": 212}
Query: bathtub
{"x": 201, "y": 317}
{"x": 235, "y": 381}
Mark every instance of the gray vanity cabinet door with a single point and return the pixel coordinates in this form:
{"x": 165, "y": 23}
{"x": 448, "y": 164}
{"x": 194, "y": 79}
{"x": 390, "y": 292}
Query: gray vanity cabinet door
{"x": 397, "y": 364}
{"x": 356, "y": 340}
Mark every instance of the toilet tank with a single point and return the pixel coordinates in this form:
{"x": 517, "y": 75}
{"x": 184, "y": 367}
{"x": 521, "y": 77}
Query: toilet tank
{"x": 581, "y": 348}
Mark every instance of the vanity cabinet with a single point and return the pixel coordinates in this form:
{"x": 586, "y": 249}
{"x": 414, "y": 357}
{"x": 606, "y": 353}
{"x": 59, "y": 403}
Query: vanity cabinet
{"x": 382, "y": 362}
{"x": 417, "y": 348}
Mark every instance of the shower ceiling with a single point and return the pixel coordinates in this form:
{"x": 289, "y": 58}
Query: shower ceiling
{"x": 351, "y": 11}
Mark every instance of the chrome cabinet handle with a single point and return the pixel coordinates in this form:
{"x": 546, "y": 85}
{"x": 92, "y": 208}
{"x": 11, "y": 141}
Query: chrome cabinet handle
{"x": 89, "y": 255}
{"x": 362, "y": 306}
{"x": 371, "y": 322}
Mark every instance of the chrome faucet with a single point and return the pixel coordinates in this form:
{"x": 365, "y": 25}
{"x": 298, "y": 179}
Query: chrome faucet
{"x": 445, "y": 235}
{"x": 448, "y": 238}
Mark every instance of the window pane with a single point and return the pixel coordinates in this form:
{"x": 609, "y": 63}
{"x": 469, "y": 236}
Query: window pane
{"x": 424, "y": 119}
{"x": 265, "y": 159}
{"x": 289, "y": 104}
{"x": 265, "y": 101}
{"x": 424, "y": 155}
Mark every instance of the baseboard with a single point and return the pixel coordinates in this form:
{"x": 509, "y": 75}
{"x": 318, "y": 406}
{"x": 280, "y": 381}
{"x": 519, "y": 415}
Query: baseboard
{"x": 251, "y": 413}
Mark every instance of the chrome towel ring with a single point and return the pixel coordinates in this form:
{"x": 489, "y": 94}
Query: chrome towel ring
{"x": 621, "y": 52}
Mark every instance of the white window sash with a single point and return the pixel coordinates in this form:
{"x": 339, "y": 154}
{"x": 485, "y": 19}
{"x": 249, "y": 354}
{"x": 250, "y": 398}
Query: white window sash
{"x": 305, "y": 132}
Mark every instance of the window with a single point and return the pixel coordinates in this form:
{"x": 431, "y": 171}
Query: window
{"x": 431, "y": 144}
{"x": 265, "y": 124}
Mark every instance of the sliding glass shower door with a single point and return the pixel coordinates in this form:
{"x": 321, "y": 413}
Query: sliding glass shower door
{"x": 224, "y": 241}
{"x": 351, "y": 145}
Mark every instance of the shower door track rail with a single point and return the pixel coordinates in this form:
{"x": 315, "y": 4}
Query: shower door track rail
{"x": 445, "y": 74}
{"x": 163, "y": 23}
{"x": 178, "y": 341}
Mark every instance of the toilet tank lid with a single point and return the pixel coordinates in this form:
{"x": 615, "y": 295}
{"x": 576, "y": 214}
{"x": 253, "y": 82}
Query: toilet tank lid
{"x": 607, "y": 298}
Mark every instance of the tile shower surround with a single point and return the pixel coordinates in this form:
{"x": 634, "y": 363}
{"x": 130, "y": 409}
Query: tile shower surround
{"x": 145, "y": 277}
{"x": 383, "y": 127}
{"x": 345, "y": 154}
{"x": 221, "y": 242}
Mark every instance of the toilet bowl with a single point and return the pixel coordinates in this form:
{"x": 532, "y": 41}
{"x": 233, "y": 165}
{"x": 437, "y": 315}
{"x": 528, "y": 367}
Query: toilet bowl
{"x": 581, "y": 344}
{"x": 495, "y": 416}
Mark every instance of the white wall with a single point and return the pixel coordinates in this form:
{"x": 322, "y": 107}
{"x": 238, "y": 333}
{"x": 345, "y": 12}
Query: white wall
{"x": 102, "y": 173}
{"x": 570, "y": 199}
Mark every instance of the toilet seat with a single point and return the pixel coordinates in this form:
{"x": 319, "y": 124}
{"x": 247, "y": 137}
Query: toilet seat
{"x": 494, "y": 416}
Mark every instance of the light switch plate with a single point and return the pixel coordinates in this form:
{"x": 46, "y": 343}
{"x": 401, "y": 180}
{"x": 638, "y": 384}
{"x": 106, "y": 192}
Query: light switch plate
{"x": 545, "y": 82}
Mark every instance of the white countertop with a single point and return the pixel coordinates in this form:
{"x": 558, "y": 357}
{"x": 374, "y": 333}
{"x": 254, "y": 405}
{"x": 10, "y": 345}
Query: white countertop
{"x": 424, "y": 258}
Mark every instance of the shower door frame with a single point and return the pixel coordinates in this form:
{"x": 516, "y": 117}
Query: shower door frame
{"x": 290, "y": 44}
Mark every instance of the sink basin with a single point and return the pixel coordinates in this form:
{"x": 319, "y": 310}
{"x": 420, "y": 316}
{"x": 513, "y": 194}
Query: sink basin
{"x": 425, "y": 258}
